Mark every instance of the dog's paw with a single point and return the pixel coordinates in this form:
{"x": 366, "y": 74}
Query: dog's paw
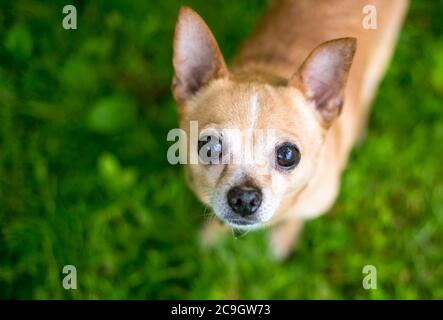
{"x": 283, "y": 239}
{"x": 211, "y": 232}
{"x": 280, "y": 249}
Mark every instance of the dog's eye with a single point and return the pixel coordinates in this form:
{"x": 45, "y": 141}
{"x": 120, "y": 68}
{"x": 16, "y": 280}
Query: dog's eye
{"x": 288, "y": 156}
{"x": 210, "y": 149}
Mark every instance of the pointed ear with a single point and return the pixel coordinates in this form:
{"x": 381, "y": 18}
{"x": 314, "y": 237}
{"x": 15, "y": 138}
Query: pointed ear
{"x": 322, "y": 76}
{"x": 197, "y": 58}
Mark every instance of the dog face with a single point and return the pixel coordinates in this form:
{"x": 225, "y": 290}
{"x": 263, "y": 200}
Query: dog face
{"x": 259, "y": 139}
{"x": 258, "y": 155}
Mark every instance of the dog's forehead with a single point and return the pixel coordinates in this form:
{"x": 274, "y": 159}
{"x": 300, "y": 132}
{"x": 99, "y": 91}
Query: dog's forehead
{"x": 255, "y": 105}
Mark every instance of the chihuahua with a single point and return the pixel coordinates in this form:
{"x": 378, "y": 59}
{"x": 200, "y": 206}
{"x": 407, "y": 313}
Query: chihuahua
{"x": 292, "y": 79}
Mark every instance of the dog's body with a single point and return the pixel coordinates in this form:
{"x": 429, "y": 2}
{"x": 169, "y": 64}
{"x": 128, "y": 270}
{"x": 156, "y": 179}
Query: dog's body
{"x": 277, "y": 82}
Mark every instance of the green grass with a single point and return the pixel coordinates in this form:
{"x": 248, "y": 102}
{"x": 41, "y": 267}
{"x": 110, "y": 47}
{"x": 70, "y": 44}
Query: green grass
{"x": 84, "y": 178}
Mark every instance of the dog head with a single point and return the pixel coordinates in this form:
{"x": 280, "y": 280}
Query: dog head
{"x": 259, "y": 137}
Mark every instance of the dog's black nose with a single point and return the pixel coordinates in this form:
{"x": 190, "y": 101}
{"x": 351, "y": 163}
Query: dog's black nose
{"x": 244, "y": 200}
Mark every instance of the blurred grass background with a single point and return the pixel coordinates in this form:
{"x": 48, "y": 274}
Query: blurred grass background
{"x": 84, "y": 178}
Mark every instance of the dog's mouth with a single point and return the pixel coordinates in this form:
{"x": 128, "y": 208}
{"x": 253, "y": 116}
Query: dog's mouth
{"x": 243, "y": 223}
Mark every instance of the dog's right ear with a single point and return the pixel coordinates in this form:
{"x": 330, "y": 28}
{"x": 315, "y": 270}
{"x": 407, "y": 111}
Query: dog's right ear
{"x": 197, "y": 58}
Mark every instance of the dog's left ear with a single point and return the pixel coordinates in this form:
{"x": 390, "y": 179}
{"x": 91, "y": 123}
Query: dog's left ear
{"x": 322, "y": 76}
{"x": 197, "y": 58}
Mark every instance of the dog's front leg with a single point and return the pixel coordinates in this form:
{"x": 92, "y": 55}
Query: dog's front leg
{"x": 284, "y": 237}
{"x": 211, "y": 231}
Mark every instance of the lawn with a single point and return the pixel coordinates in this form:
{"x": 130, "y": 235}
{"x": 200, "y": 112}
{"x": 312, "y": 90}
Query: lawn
{"x": 84, "y": 178}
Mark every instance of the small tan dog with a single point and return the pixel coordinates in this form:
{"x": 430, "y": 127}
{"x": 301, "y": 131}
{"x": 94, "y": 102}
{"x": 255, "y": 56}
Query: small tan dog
{"x": 289, "y": 78}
